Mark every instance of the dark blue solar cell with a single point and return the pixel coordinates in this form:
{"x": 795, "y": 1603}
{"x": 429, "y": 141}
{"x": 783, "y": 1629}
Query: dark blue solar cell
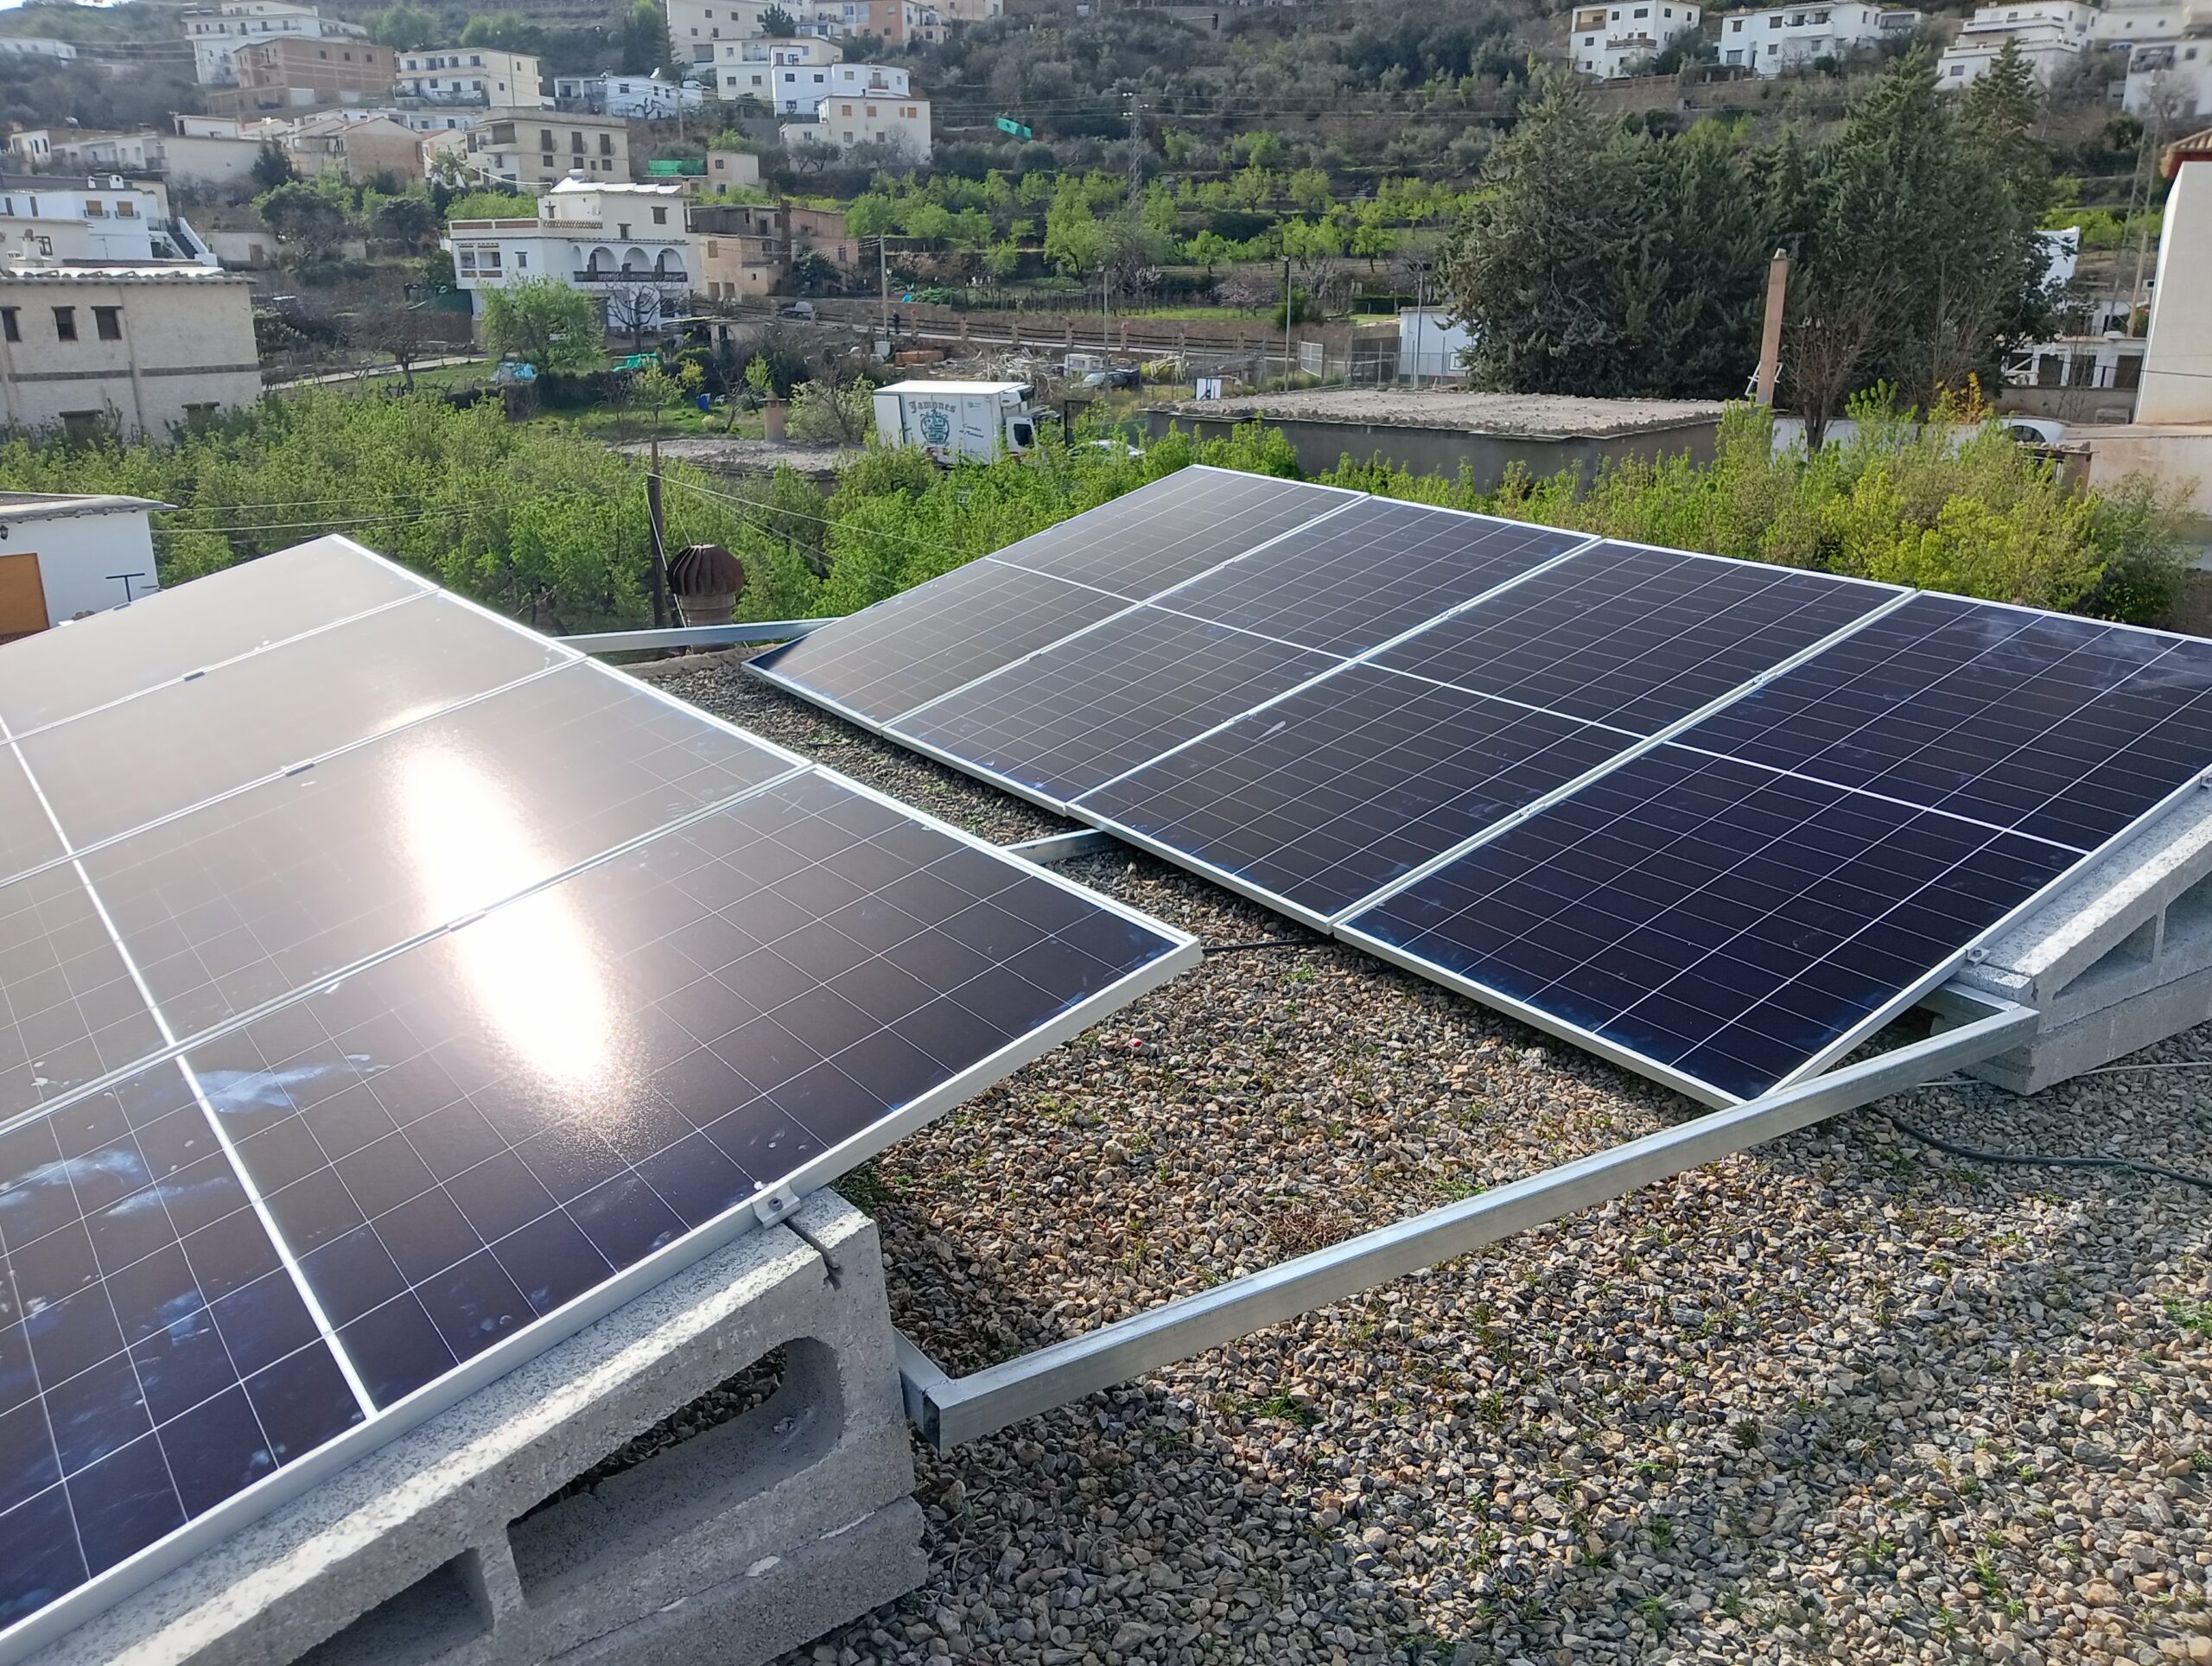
{"x": 1729, "y": 926}
{"x": 1362, "y": 576}
{"x": 1634, "y": 637}
{"x": 1071, "y": 719}
{"x": 1345, "y": 787}
{"x": 2063, "y": 728}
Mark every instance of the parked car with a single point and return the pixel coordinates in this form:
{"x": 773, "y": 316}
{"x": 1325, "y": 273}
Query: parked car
{"x": 802, "y": 310}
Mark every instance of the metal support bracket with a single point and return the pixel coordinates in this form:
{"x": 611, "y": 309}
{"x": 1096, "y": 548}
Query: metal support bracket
{"x": 1056, "y": 847}
{"x": 949, "y": 1410}
{"x": 691, "y": 636}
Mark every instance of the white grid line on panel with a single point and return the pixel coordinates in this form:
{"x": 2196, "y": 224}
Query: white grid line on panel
{"x": 214, "y": 1123}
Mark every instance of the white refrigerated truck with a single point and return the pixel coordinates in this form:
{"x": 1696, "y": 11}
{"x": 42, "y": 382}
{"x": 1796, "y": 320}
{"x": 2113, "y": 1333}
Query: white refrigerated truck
{"x": 957, "y": 422}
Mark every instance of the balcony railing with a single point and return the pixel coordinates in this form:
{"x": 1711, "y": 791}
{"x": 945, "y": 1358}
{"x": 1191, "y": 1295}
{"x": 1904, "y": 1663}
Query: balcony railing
{"x": 636, "y": 275}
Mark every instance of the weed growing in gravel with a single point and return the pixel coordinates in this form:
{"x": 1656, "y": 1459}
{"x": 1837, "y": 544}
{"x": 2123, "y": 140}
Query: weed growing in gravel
{"x": 1654, "y": 1609}
{"x": 1661, "y": 1529}
{"x": 2194, "y": 1317}
{"x": 1284, "y": 1409}
{"x": 866, "y": 1188}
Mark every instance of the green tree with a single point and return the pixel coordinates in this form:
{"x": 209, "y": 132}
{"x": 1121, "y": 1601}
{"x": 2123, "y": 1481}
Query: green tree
{"x": 1532, "y": 268}
{"x": 644, "y": 39}
{"x": 507, "y": 31}
{"x": 830, "y": 414}
{"x": 1002, "y": 259}
{"x": 778, "y": 25}
{"x": 545, "y": 323}
{"x": 1074, "y": 240}
{"x": 272, "y": 167}
{"x": 402, "y": 26}
{"x": 307, "y": 221}
{"x": 492, "y": 204}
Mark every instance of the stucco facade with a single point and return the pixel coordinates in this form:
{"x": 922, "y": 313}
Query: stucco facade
{"x": 144, "y": 347}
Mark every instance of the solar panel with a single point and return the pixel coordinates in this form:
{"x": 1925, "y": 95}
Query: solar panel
{"x": 53, "y": 675}
{"x": 2065, "y": 729}
{"x": 1631, "y": 636}
{"x": 1171, "y": 529}
{"x": 1346, "y": 784}
{"x": 327, "y": 1100}
{"x": 125, "y": 766}
{"x": 929, "y": 641}
{"x": 1364, "y": 574}
{"x": 1723, "y": 926}
{"x": 1062, "y": 722}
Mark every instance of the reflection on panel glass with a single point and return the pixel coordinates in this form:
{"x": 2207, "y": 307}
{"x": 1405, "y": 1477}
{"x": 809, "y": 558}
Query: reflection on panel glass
{"x": 476, "y": 1132}
{"x": 1728, "y": 922}
{"x": 56, "y": 674}
{"x": 26, "y": 835}
{"x": 1074, "y": 717}
{"x": 928, "y": 640}
{"x": 69, "y": 1013}
{"x": 2064, "y": 729}
{"x": 114, "y": 769}
{"x": 156, "y": 1356}
{"x": 283, "y": 885}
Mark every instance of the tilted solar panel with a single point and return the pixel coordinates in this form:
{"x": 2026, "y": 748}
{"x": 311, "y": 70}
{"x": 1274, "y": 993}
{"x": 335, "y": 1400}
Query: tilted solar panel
{"x": 327, "y": 1099}
{"x": 1061, "y": 723}
{"x": 931, "y": 640}
{"x": 1722, "y": 925}
{"x": 2064, "y": 729}
{"x": 1351, "y": 582}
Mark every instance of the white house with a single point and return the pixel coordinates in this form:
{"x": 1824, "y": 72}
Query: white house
{"x": 901, "y": 121}
{"x": 63, "y": 556}
{"x": 57, "y": 217}
{"x": 639, "y": 97}
{"x": 626, "y": 245}
{"x": 747, "y": 68}
{"x": 695, "y": 26}
{"x": 2124, "y": 22}
{"x": 1609, "y": 41}
{"x": 2051, "y": 34}
{"x": 1783, "y": 39}
{"x": 470, "y": 75}
{"x": 2173, "y": 78}
{"x": 217, "y": 32}
{"x": 800, "y": 88}
{"x": 34, "y": 46}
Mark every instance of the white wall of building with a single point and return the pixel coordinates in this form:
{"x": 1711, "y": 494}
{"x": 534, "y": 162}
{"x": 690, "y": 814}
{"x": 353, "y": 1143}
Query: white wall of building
{"x": 2174, "y": 77}
{"x": 32, "y": 46}
{"x": 470, "y": 75}
{"x": 113, "y": 219}
{"x": 611, "y": 241}
{"x": 2051, "y": 34}
{"x": 695, "y": 26}
{"x": 1783, "y": 39}
{"x": 1609, "y": 41}
{"x": 217, "y": 32}
{"x": 2177, "y": 358}
{"x": 87, "y": 562}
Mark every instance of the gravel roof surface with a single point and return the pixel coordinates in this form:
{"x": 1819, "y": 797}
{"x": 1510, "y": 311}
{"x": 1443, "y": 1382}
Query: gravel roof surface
{"x": 1841, "y": 1397}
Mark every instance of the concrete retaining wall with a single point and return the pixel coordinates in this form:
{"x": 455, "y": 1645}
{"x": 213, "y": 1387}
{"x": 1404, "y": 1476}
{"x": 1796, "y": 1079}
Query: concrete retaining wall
{"x": 1322, "y": 445}
{"x": 730, "y": 1547}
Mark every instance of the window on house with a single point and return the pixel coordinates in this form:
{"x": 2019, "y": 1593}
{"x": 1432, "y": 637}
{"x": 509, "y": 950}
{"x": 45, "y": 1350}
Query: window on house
{"x": 660, "y": 216}
{"x": 11, "y": 325}
{"x": 107, "y": 323}
{"x": 81, "y": 424}
{"x": 622, "y": 229}
{"x": 544, "y": 138}
{"x": 202, "y": 411}
{"x": 65, "y": 323}
{"x": 547, "y": 159}
{"x": 606, "y": 144}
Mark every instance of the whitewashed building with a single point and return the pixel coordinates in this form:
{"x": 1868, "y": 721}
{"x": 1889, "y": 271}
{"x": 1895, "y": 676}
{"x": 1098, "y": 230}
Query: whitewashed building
{"x": 625, "y": 246}
{"x": 2171, "y": 78}
{"x": 2051, "y": 34}
{"x": 642, "y": 97}
{"x": 36, "y": 45}
{"x": 747, "y": 68}
{"x": 1611, "y": 41}
{"x": 695, "y": 27}
{"x": 1782, "y": 40}
{"x": 63, "y": 556}
{"x": 470, "y": 75}
{"x": 874, "y": 107}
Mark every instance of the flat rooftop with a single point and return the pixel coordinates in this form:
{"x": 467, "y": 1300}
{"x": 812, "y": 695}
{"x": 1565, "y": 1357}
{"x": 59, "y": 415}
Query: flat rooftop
{"x": 1533, "y": 415}
{"x": 59, "y": 505}
{"x": 1778, "y": 1406}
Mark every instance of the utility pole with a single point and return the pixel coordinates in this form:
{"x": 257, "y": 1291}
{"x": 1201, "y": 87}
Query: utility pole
{"x": 883, "y": 264}
{"x": 660, "y": 538}
{"x": 1289, "y": 353}
{"x": 1777, "y": 289}
{"x": 1136, "y": 152}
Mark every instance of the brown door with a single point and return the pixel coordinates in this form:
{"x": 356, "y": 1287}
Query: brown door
{"x": 23, "y": 597}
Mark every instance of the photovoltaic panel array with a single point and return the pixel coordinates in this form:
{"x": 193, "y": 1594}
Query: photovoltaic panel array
{"x": 928, "y": 641}
{"x": 391, "y": 992}
{"x": 1715, "y": 819}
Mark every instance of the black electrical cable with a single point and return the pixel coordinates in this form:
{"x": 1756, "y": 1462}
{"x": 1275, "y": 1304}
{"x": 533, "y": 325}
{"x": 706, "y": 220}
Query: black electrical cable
{"x": 2032, "y": 1160}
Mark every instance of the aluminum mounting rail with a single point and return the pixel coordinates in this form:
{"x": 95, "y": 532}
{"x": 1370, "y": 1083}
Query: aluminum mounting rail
{"x": 691, "y": 636}
{"x": 949, "y": 1410}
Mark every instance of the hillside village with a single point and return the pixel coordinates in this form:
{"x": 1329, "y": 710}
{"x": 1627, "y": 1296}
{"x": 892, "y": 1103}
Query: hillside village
{"x": 1094, "y": 832}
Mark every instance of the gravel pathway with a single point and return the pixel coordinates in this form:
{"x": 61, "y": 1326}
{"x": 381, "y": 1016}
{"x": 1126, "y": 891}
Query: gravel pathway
{"x": 1840, "y": 1398}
